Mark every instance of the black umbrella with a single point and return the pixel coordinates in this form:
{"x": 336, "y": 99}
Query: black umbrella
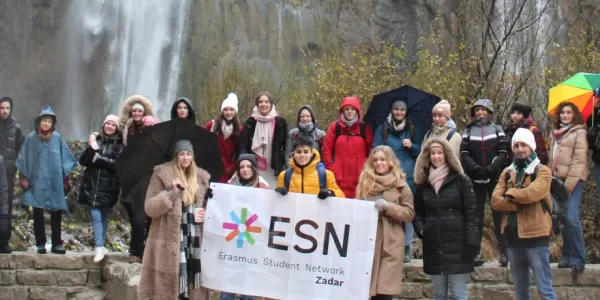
{"x": 154, "y": 145}
{"x": 419, "y": 105}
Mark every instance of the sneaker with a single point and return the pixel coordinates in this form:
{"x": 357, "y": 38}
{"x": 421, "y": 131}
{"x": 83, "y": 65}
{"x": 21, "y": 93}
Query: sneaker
{"x": 41, "y": 249}
{"x": 563, "y": 265}
{"x": 478, "y": 261}
{"x": 100, "y": 252}
{"x": 58, "y": 250}
{"x": 503, "y": 260}
{"x": 407, "y": 255}
{"x": 5, "y": 249}
{"x": 579, "y": 268}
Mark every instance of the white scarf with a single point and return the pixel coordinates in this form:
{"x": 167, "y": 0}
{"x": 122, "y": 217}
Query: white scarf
{"x": 262, "y": 142}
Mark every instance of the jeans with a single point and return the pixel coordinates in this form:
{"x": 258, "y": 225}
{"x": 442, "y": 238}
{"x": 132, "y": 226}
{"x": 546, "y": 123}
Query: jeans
{"x": 482, "y": 192}
{"x": 457, "y": 283}
{"x": 408, "y": 233}
{"x": 573, "y": 250}
{"x": 231, "y": 296}
{"x": 40, "y": 231}
{"x": 597, "y": 177}
{"x": 538, "y": 260}
{"x": 100, "y": 218}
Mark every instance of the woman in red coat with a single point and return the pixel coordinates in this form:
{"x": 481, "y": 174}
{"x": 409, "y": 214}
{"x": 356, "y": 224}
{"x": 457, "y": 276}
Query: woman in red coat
{"x": 228, "y": 129}
{"x": 347, "y": 145}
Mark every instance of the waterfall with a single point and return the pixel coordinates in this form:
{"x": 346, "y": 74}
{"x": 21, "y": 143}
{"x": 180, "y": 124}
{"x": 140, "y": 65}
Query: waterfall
{"x": 117, "y": 48}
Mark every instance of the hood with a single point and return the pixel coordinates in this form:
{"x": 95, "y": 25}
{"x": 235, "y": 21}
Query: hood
{"x": 312, "y": 164}
{"x": 129, "y": 102}
{"x": 312, "y": 114}
{"x": 487, "y": 103}
{"x": 423, "y": 162}
{"x": 47, "y": 111}
{"x": 10, "y": 101}
{"x": 191, "y": 115}
{"x": 354, "y": 102}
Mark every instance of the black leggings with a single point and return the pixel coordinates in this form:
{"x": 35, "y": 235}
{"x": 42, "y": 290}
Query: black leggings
{"x": 381, "y": 297}
{"x": 40, "y": 231}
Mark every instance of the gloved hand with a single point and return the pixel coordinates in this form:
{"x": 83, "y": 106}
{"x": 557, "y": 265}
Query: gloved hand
{"x": 381, "y": 205}
{"x": 483, "y": 173}
{"x": 24, "y": 182}
{"x": 324, "y": 193}
{"x": 208, "y": 194}
{"x": 282, "y": 190}
{"x": 470, "y": 253}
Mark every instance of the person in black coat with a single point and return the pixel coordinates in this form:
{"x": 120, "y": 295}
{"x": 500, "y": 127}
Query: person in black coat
{"x": 5, "y": 227}
{"x": 265, "y": 134}
{"x": 99, "y": 186}
{"x": 445, "y": 219}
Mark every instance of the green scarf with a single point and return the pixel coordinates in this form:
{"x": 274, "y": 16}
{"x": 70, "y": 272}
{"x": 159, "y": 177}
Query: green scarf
{"x": 521, "y": 165}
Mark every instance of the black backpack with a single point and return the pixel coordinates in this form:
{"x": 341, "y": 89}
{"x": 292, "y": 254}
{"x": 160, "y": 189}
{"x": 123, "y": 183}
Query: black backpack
{"x": 558, "y": 195}
{"x": 448, "y": 137}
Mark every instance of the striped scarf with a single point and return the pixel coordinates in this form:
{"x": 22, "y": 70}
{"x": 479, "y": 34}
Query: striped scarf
{"x": 521, "y": 165}
{"x": 189, "y": 265}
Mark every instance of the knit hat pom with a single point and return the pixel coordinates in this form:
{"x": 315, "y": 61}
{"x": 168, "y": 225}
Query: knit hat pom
{"x": 230, "y": 101}
{"x": 443, "y": 108}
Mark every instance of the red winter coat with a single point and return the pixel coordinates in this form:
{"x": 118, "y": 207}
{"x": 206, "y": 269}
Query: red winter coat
{"x": 351, "y": 150}
{"x": 229, "y": 150}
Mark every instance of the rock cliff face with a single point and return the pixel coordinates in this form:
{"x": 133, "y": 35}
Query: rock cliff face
{"x": 223, "y": 37}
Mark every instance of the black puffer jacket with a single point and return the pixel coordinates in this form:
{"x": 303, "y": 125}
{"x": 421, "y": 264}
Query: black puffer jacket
{"x": 99, "y": 186}
{"x": 449, "y": 224}
{"x": 448, "y": 220}
{"x": 11, "y": 139}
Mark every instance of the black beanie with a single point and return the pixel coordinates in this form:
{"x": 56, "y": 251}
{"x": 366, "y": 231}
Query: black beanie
{"x": 522, "y": 108}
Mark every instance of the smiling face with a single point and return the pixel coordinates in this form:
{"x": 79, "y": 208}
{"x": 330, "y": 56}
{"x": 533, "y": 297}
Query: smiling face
{"x": 516, "y": 116}
{"x": 110, "y": 128}
{"x": 46, "y": 123}
{"x": 302, "y": 155}
{"x": 182, "y": 110}
{"x": 228, "y": 113}
{"x": 381, "y": 164}
{"x": 566, "y": 115}
{"x": 245, "y": 170}
{"x": 184, "y": 158}
{"x": 437, "y": 156}
{"x": 439, "y": 120}
{"x": 349, "y": 112}
{"x": 305, "y": 117}
{"x": 521, "y": 150}
{"x": 399, "y": 112}
{"x": 137, "y": 114}
{"x": 264, "y": 105}
{"x": 481, "y": 112}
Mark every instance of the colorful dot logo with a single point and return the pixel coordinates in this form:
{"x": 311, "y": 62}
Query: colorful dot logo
{"x": 241, "y": 227}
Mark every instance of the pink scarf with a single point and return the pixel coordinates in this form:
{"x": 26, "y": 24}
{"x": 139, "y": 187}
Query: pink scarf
{"x": 262, "y": 142}
{"x": 438, "y": 175}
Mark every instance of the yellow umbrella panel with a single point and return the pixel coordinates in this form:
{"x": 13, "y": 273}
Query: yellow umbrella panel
{"x": 563, "y": 93}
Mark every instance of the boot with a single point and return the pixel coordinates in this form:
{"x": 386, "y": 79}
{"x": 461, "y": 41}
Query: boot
{"x": 478, "y": 261}
{"x": 41, "y": 249}
{"x": 503, "y": 260}
{"x": 5, "y": 249}
{"x": 407, "y": 254}
{"x": 58, "y": 249}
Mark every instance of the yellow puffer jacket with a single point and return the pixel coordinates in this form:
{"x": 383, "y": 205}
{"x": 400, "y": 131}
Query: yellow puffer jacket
{"x": 306, "y": 180}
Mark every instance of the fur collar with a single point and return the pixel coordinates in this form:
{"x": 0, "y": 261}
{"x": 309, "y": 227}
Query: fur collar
{"x": 530, "y": 168}
{"x": 129, "y": 102}
{"x": 167, "y": 175}
{"x": 423, "y": 162}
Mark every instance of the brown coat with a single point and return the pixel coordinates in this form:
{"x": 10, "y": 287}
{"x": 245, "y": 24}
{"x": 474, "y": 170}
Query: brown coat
{"x": 160, "y": 268}
{"x": 532, "y": 220}
{"x": 572, "y": 158}
{"x": 388, "y": 262}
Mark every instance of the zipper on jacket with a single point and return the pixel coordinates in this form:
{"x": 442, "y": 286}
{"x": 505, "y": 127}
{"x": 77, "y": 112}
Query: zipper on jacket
{"x": 98, "y": 177}
{"x": 483, "y": 147}
{"x": 441, "y": 252}
{"x": 302, "y": 181}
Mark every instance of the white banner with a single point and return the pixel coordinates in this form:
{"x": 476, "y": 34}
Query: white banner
{"x": 257, "y": 242}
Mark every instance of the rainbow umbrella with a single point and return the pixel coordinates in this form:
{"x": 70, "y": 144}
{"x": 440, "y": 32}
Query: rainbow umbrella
{"x": 578, "y": 89}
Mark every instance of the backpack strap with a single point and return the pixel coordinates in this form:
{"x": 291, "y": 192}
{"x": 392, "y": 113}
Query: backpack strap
{"x": 363, "y": 127}
{"x": 411, "y": 131}
{"x": 450, "y": 134}
{"x": 384, "y": 134}
{"x": 287, "y": 177}
{"x": 322, "y": 173}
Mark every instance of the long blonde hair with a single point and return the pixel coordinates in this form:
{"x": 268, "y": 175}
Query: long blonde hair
{"x": 189, "y": 178}
{"x": 368, "y": 177}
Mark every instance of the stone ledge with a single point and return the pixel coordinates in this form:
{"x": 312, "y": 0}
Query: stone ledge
{"x": 21, "y": 292}
{"x": 69, "y": 261}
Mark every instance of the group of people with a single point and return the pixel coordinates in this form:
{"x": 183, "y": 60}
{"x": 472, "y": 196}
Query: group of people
{"x": 434, "y": 184}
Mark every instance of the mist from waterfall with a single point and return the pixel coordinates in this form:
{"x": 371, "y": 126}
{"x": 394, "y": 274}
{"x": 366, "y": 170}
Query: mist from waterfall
{"x": 117, "y": 48}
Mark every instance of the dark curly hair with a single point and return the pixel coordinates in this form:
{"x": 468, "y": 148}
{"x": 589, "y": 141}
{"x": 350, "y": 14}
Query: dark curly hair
{"x": 577, "y": 117}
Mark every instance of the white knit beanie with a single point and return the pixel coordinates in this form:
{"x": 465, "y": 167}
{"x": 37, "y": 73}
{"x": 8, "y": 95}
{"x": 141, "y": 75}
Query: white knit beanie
{"x": 525, "y": 136}
{"x": 231, "y": 101}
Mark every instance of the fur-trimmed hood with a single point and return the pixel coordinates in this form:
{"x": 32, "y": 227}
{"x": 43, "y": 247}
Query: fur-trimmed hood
{"x": 424, "y": 162}
{"x": 129, "y": 102}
